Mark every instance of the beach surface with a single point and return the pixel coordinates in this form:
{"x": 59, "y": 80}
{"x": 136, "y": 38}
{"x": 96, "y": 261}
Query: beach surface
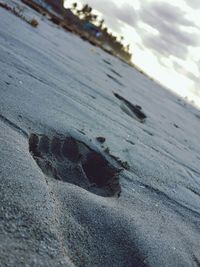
{"x": 99, "y": 165}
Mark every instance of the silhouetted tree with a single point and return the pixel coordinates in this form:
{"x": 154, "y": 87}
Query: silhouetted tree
{"x": 74, "y": 7}
{"x": 105, "y": 30}
{"x": 86, "y": 14}
{"x": 101, "y": 22}
{"x": 127, "y": 48}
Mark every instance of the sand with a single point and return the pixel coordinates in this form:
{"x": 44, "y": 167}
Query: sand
{"x": 70, "y": 198}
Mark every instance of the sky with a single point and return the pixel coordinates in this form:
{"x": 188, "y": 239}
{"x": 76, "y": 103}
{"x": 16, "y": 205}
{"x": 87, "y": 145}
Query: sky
{"x": 164, "y": 37}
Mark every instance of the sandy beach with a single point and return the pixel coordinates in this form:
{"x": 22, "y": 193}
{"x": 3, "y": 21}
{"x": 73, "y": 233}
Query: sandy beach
{"x": 99, "y": 165}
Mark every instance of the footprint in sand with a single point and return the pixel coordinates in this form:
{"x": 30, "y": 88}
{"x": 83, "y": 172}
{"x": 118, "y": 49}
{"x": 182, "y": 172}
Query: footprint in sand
{"x": 72, "y": 161}
{"x": 133, "y": 111}
{"x": 115, "y": 72}
{"x": 114, "y": 79}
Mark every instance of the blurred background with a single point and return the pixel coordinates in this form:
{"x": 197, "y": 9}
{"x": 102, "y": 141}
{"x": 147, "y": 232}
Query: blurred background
{"x": 159, "y": 37}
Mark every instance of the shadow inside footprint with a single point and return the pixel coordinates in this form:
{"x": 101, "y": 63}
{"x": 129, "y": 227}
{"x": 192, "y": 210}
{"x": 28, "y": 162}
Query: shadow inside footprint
{"x": 97, "y": 169}
{"x": 72, "y": 161}
{"x": 135, "y": 111}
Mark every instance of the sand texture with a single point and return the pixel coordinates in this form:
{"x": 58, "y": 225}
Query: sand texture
{"x": 99, "y": 165}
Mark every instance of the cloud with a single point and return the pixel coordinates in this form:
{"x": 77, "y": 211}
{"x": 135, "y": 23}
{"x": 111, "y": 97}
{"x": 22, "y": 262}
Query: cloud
{"x": 166, "y": 12}
{"x": 114, "y": 25}
{"x": 125, "y": 13}
{"x": 163, "y": 47}
{"x": 175, "y": 34}
{"x": 193, "y": 77}
{"x": 193, "y": 3}
{"x": 198, "y": 65}
{"x": 188, "y": 74}
{"x": 178, "y": 68}
{"x": 105, "y": 7}
{"x": 170, "y": 41}
{"x": 168, "y": 21}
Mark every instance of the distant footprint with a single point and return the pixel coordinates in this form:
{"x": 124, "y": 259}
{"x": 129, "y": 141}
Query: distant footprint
{"x": 72, "y": 161}
{"x": 134, "y": 111}
{"x": 115, "y": 72}
{"x": 107, "y": 62}
{"x": 114, "y": 79}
